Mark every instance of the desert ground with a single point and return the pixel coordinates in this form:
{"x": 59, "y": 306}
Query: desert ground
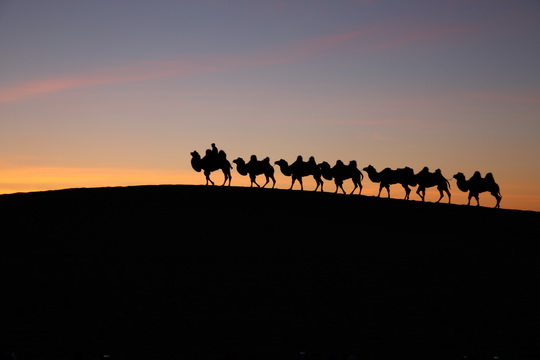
{"x": 210, "y": 272}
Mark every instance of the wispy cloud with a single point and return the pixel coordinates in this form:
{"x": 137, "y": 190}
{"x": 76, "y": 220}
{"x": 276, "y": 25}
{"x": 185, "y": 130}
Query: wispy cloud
{"x": 137, "y": 71}
{"x": 376, "y": 38}
{"x": 147, "y": 70}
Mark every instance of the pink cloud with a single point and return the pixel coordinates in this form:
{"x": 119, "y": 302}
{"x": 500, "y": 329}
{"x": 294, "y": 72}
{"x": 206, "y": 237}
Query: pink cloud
{"x": 135, "y": 72}
{"x": 147, "y": 70}
{"x": 387, "y": 37}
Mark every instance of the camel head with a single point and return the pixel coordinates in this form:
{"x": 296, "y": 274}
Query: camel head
{"x": 239, "y": 161}
{"x": 369, "y": 169}
{"x": 462, "y": 184}
{"x": 409, "y": 176}
{"x": 240, "y": 166}
{"x": 196, "y": 161}
{"x": 284, "y": 167}
{"x": 324, "y": 165}
{"x": 326, "y": 170}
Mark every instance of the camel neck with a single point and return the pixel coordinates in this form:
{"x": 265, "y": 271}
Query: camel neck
{"x": 285, "y": 169}
{"x": 462, "y": 184}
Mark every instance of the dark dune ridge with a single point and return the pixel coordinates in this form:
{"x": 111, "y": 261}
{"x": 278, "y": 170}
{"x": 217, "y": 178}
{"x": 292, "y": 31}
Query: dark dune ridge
{"x": 180, "y": 271}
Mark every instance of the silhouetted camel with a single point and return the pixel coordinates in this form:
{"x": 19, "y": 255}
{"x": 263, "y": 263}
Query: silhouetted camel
{"x": 299, "y": 169}
{"x": 426, "y": 179}
{"x": 387, "y": 177}
{"x": 255, "y": 167}
{"x": 340, "y": 172}
{"x": 477, "y": 184}
{"x": 212, "y": 161}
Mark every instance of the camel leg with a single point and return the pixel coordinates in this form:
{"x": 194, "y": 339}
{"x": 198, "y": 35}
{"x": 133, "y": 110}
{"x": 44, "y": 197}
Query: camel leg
{"x": 319, "y": 183}
{"x": 228, "y": 176}
{"x": 407, "y": 192}
{"x": 498, "y": 198}
{"x": 292, "y": 183}
{"x": 267, "y": 180}
{"x": 207, "y": 175}
{"x": 301, "y": 184}
{"x": 477, "y": 197}
{"x": 274, "y": 182}
{"x": 380, "y": 189}
{"x": 253, "y": 181}
{"x": 442, "y": 195}
{"x": 340, "y": 183}
{"x": 355, "y": 186}
{"x": 449, "y": 196}
{"x": 422, "y": 193}
{"x": 388, "y": 190}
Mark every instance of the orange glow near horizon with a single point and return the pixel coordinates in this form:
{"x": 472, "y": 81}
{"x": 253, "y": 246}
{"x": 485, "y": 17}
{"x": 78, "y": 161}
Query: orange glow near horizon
{"x": 33, "y": 179}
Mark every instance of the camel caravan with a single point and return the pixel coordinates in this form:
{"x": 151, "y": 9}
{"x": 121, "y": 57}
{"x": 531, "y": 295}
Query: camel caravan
{"x": 215, "y": 159}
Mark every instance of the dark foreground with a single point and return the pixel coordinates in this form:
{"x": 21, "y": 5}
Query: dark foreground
{"x": 180, "y": 272}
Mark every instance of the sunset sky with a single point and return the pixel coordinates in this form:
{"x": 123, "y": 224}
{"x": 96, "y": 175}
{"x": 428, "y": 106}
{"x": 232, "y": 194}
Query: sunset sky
{"x": 115, "y": 93}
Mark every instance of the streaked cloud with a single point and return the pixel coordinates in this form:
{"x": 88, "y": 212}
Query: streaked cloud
{"x": 386, "y": 37}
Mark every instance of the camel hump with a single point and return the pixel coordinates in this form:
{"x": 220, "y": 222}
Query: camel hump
{"x": 353, "y": 164}
{"x": 266, "y": 160}
{"x": 222, "y": 154}
{"x": 407, "y": 170}
{"x": 489, "y": 177}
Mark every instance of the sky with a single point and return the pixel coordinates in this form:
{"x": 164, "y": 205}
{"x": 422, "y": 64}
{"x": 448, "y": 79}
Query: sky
{"x": 120, "y": 92}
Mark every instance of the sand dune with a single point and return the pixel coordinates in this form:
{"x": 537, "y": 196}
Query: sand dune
{"x": 231, "y": 273}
